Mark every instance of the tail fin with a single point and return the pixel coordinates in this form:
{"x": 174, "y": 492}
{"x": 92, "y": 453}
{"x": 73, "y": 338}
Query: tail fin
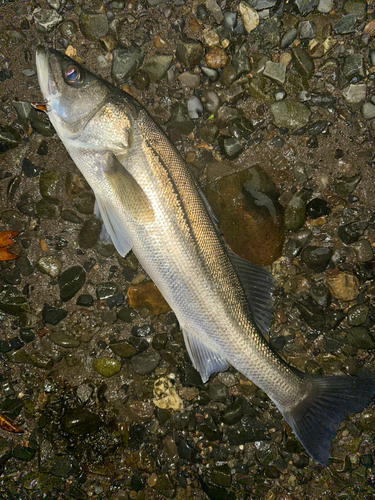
{"x": 316, "y": 418}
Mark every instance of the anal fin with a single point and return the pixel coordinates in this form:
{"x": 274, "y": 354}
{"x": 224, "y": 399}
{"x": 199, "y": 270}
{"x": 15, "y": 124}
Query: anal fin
{"x": 205, "y": 360}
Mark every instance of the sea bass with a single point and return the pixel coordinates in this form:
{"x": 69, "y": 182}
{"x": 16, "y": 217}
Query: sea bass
{"x": 151, "y": 204}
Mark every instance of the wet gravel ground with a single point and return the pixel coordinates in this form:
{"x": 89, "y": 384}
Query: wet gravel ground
{"x": 93, "y": 367}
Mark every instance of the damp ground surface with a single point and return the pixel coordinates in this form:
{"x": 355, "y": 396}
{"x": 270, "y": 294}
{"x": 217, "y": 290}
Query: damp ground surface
{"x": 272, "y": 106}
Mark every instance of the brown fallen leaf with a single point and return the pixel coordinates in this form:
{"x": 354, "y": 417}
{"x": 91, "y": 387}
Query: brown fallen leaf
{"x": 6, "y": 241}
{"x": 8, "y": 425}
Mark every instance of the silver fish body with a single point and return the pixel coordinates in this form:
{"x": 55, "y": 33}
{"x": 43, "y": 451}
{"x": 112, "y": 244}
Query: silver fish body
{"x": 150, "y": 203}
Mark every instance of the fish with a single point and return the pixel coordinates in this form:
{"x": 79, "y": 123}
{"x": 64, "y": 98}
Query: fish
{"x": 150, "y": 203}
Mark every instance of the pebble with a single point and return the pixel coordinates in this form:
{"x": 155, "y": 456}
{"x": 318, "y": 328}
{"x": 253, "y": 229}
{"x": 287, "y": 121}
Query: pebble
{"x": 344, "y": 186}
{"x": 275, "y": 71}
{"x": 303, "y": 62}
{"x": 194, "y": 107}
{"x": 290, "y": 114}
{"x": 89, "y": 233}
{"x": 126, "y": 62}
{"x": 180, "y": 119}
{"x": 295, "y": 212}
{"x": 63, "y": 339}
{"x": 107, "y": 367}
{"x": 350, "y": 233}
{"x": 189, "y": 52}
{"x": 46, "y": 19}
{"x": 189, "y": 79}
{"x": 85, "y": 202}
{"x": 147, "y": 295}
{"x": 354, "y": 94}
{"x": 49, "y": 264}
{"x": 368, "y": 111}
{"x": 123, "y": 349}
{"x": 317, "y": 258}
{"x": 165, "y": 395}
{"x": 346, "y": 25}
{"x": 29, "y": 169}
{"x": 85, "y": 300}
{"x": 250, "y": 16}
{"x": 230, "y": 147}
{"x": 359, "y": 336}
{"x": 156, "y": 66}
{"x": 213, "y": 7}
{"x": 353, "y": 66}
{"x": 80, "y": 422}
{"x": 106, "y": 290}
{"x": 343, "y": 286}
{"x": 53, "y": 315}
{"x": 363, "y": 250}
{"x": 68, "y": 29}
{"x": 71, "y": 281}
{"x": 316, "y": 208}
{"x": 145, "y": 363}
{"x": 211, "y": 101}
{"x": 288, "y": 38}
{"x": 216, "y": 58}
{"x": 357, "y": 315}
{"x": 93, "y": 26}
{"x": 307, "y": 30}
{"x": 49, "y": 208}
{"x": 325, "y": 6}
{"x": 306, "y": 6}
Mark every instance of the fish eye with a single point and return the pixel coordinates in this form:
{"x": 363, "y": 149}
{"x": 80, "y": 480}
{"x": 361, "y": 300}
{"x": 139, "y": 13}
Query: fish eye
{"x": 73, "y": 74}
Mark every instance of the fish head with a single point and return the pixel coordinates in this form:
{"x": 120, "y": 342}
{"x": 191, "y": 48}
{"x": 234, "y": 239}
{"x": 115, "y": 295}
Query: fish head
{"x": 73, "y": 95}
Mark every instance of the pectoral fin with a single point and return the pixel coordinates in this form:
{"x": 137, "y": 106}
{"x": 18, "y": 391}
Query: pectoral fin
{"x": 127, "y": 192}
{"x": 205, "y": 360}
{"x": 114, "y": 226}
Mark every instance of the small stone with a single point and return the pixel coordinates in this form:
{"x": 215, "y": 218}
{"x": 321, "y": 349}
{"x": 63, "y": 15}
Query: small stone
{"x": 49, "y": 264}
{"x": 70, "y": 282}
{"x": 216, "y": 58}
{"x": 46, "y": 19}
{"x": 325, "y": 6}
{"x": 63, "y": 339}
{"x": 126, "y": 62}
{"x": 93, "y": 26}
{"x": 147, "y": 295}
{"x": 221, "y": 476}
{"x": 194, "y": 107}
{"x": 230, "y": 147}
{"x": 68, "y": 29}
{"x": 344, "y": 186}
{"x": 307, "y": 30}
{"x": 126, "y": 314}
{"x": 353, "y": 66}
{"x": 290, "y": 114}
{"x": 368, "y": 111}
{"x": 317, "y": 258}
{"x": 157, "y": 66}
{"x": 343, "y": 286}
{"x": 211, "y": 101}
{"x": 9, "y": 138}
{"x": 241, "y": 61}
{"x": 316, "y": 208}
{"x": 107, "y": 367}
{"x": 85, "y": 202}
{"x": 189, "y": 79}
{"x": 145, "y": 363}
{"x": 306, "y": 6}
{"x": 80, "y": 422}
{"x": 213, "y": 7}
{"x": 275, "y": 71}
{"x": 29, "y": 169}
{"x": 250, "y": 16}
{"x": 85, "y": 300}
{"x": 71, "y": 216}
{"x": 363, "y": 250}
{"x": 189, "y": 52}
{"x": 359, "y": 336}
{"x": 53, "y": 315}
{"x": 288, "y": 38}
{"x": 357, "y": 315}
{"x": 106, "y": 290}
{"x": 180, "y": 119}
{"x": 354, "y": 94}
{"x": 89, "y": 234}
{"x": 123, "y": 349}
{"x": 48, "y": 208}
{"x": 350, "y": 233}
{"x": 303, "y": 62}
{"x": 165, "y": 395}
{"x": 141, "y": 412}
{"x": 295, "y": 212}
{"x": 346, "y": 25}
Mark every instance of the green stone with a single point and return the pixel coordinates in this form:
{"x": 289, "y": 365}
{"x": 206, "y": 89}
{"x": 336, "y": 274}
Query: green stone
{"x": 89, "y": 234}
{"x": 11, "y": 302}
{"x": 63, "y": 339}
{"x": 48, "y": 208}
{"x": 126, "y": 314}
{"x": 107, "y": 367}
{"x": 157, "y": 66}
{"x": 41, "y": 361}
{"x": 123, "y": 349}
{"x": 295, "y": 212}
{"x": 106, "y": 290}
{"x": 360, "y": 337}
{"x": 48, "y": 184}
{"x": 71, "y": 281}
{"x": 85, "y": 203}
